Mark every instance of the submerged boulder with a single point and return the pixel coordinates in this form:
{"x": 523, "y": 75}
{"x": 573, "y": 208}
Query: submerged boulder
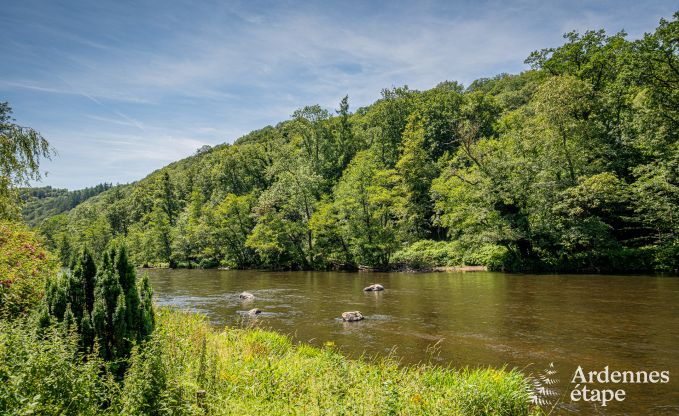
{"x": 246, "y": 296}
{"x": 352, "y": 316}
{"x": 375, "y": 287}
{"x": 254, "y": 311}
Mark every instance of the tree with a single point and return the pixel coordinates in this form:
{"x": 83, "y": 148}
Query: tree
{"x": 309, "y": 128}
{"x": 106, "y": 304}
{"x": 25, "y": 265}
{"x": 165, "y": 198}
{"x": 330, "y": 242}
{"x": 233, "y": 222}
{"x": 367, "y": 203}
{"x": 346, "y": 142}
{"x": 21, "y": 149}
{"x": 385, "y": 121}
{"x": 416, "y": 170}
{"x": 282, "y": 236}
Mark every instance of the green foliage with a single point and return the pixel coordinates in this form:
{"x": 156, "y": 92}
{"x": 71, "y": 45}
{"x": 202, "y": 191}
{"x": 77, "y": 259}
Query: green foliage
{"x": 145, "y": 389}
{"x": 234, "y": 221}
{"x": 425, "y": 254}
{"x": 21, "y": 149}
{"x": 24, "y": 267}
{"x": 236, "y": 371}
{"x": 106, "y": 306}
{"x": 282, "y": 236}
{"x": 367, "y": 204}
{"x": 46, "y": 373}
{"x": 42, "y": 203}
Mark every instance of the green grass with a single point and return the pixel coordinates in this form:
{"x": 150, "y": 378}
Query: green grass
{"x": 242, "y": 372}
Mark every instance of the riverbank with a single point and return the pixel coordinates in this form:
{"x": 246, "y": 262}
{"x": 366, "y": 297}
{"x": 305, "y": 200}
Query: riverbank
{"x": 363, "y": 269}
{"x": 252, "y": 371}
{"x": 191, "y": 368}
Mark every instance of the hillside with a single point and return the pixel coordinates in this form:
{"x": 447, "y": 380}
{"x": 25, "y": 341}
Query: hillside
{"x": 572, "y": 165}
{"x": 45, "y": 202}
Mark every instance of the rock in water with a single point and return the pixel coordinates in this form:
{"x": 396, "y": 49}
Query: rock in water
{"x": 254, "y": 311}
{"x": 246, "y": 296}
{"x": 375, "y": 287}
{"x": 352, "y": 316}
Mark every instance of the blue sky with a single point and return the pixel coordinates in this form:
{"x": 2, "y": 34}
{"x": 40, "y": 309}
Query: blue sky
{"x": 121, "y": 88}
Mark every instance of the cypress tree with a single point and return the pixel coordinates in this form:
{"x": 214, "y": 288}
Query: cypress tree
{"x": 86, "y": 270}
{"x": 101, "y": 328}
{"x": 68, "y": 323}
{"x": 120, "y": 333}
{"x": 87, "y": 332}
{"x": 127, "y": 278}
{"x": 106, "y": 304}
{"x": 56, "y": 296}
{"x": 147, "y": 318}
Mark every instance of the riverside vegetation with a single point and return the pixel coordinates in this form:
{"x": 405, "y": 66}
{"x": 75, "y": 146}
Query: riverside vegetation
{"x": 93, "y": 345}
{"x": 188, "y": 367}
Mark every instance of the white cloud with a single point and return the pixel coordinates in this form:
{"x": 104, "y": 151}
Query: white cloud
{"x": 192, "y": 84}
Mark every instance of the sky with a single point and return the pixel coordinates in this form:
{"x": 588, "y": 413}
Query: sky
{"x": 122, "y": 88}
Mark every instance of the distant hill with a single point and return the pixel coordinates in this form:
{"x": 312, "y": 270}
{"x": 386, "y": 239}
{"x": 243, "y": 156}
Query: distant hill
{"x": 44, "y": 202}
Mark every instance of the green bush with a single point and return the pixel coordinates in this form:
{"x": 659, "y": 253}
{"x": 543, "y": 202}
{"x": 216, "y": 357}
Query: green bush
{"x": 46, "y": 373}
{"x": 490, "y": 255}
{"x": 24, "y": 266}
{"x": 106, "y": 304}
{"x": 425, "y": 254}
{"x": 145, "y": 389}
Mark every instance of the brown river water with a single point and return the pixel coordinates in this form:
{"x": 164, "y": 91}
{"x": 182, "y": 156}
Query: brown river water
{"x": 628, "y": 323}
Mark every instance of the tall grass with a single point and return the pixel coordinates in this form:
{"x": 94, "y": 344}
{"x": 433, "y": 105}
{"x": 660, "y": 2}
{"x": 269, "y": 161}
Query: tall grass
{"x": 43, "y": 373}
{"x": 256, "y": 372}
{"x": 190, "y": 368}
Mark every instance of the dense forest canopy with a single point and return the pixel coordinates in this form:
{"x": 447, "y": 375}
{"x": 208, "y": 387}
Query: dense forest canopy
{"x": 571, "y": 165}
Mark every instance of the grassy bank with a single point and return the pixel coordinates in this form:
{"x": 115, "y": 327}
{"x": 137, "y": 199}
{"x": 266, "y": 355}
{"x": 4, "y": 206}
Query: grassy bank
{"x": 191, "y": 368}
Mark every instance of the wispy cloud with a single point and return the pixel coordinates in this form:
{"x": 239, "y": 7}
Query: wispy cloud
{"x": 140, "y": 87}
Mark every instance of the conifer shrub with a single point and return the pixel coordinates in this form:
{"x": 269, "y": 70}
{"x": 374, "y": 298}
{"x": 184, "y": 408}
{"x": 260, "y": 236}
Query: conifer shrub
{"x": 106, "y": 305}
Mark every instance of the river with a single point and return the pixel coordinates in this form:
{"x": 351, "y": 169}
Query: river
{"x": 628, "y": 323}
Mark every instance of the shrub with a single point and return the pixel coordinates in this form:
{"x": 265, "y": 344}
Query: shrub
{"x": 106, "y": 304}
{"x": 45, "y": 373}
{"x": 145, "y": 386}
{"x": 490, "y": 255}
{"x": 426, "y": 254}
{"x": 24, "y": 266}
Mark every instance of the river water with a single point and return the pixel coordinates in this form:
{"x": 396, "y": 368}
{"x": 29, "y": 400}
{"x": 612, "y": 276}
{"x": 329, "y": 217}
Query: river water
{"x": 628, "y": 323}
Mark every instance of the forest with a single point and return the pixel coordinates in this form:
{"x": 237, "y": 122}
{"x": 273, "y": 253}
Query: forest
{"x": 572, "y": 165}
{"x": 44, "y": 202}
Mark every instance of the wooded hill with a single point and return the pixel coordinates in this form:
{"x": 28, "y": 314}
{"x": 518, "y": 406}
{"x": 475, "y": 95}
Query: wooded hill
{"x": 572, "y": 165}
{"x": 41, "y": 203}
